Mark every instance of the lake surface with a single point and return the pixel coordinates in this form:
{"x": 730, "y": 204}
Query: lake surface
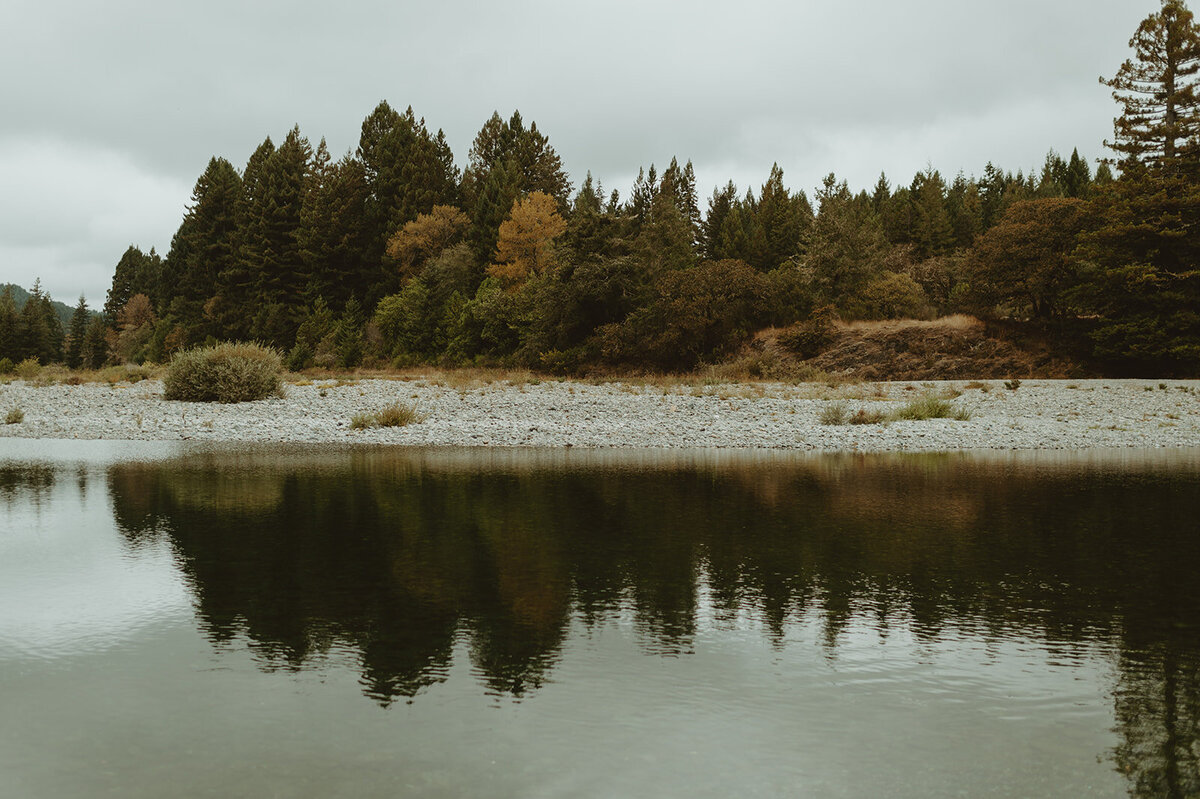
{"x": 374, "y": 622}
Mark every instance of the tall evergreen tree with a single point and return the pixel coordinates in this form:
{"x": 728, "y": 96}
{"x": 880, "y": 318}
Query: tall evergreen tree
{"x": 1156, "y": 90}
{"x": 1077, "y": 178}
{"x": 407, "y": 172}
{"x": 1144, "y": 253}
{"x": 506, "y": 161}
{"x": 276, "y": 225}
{"x": 334, "y": 237}
{"x": 781, "y": 219}
{"x": 10, "y": 326}
{"x": 76, "y": 334}
{"x": 136, "y": 273}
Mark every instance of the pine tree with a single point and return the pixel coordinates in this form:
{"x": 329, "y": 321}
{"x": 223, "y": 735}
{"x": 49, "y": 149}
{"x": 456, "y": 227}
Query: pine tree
{"x": 1077, "y": 178}
{"x": 136, "y": 273}
{"x": 506, "y": 161}
{"x": 10, "y": 326}
{"x": 720, "y": 205}
{"x": 78, "y": 329}
{"x": 37, "y": 339}
{"x": 931, "y": 232}
{"x": 1143, "y": 253}
{"x": 782, "y": 219}
{"x": 95, "y": 343}
{"x": 1156, "y": 89}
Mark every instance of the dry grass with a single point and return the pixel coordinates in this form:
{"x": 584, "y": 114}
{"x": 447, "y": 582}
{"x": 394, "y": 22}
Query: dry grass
{"x": 14, "y": 416}
{"x": 928, "y": 407}
{"x": 394, "y": 415}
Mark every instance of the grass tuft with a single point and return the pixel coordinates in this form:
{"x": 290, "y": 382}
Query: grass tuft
{"x": 834, "y": 413}
{"x": 928, "y": 407}
{"x": 15, "y": 416}
{"x": 394, "y": 415}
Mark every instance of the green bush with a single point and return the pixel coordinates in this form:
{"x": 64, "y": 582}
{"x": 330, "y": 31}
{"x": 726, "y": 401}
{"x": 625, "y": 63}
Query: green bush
{"x": 228, "y": 372}
{"x": 28, "y": 369}
{"x": 7, "y": 367}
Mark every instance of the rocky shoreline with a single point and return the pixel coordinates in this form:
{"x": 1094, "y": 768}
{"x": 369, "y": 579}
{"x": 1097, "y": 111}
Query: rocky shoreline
{"x": 1037, "y": 414}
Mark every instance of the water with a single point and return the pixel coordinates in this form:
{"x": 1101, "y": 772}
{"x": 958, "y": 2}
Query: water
{"x": 371, "y": 622}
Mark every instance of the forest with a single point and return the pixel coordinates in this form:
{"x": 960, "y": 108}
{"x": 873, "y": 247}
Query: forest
{"x": 394, "y": 256}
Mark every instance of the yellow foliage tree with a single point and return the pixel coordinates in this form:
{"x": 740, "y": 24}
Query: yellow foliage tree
{"x": 526, "y": 240}
{"x": 426, "y": 236}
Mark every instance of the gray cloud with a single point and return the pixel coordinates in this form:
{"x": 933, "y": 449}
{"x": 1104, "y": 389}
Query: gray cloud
{"x": 112, "y": 109}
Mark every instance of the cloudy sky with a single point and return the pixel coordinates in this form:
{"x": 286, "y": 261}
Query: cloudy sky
{"x": 109, "y": 111}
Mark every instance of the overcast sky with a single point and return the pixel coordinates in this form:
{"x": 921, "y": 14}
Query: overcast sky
{"x": 110, "y": 111}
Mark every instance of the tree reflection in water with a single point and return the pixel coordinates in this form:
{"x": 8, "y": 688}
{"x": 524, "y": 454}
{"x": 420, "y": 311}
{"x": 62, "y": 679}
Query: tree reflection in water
{"x": 395, "y": 555}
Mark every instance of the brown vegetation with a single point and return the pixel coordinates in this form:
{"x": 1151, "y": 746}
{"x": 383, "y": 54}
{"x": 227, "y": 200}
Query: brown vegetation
{"x": 952, "y": 348}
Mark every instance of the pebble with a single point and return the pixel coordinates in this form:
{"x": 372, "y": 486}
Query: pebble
{"x": 1039, "y": 414}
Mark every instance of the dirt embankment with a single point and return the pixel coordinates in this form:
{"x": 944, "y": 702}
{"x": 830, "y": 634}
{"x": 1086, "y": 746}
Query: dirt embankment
{"x": 951, "y": 348}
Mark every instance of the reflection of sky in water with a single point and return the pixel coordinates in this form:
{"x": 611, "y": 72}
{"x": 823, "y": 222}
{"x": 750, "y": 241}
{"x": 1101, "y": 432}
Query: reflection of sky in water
{"x": 68, "y": 583}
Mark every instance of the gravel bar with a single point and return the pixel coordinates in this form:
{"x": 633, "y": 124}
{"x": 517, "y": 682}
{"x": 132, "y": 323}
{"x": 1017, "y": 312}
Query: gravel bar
{"x": 1038, "y": 414}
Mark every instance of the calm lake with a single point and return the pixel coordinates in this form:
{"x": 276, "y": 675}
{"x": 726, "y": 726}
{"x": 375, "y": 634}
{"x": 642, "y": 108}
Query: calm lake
{"x": 386, "y": 622}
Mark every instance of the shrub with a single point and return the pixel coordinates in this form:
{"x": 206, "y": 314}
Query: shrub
{"x": 28, "y": 369}
{"x": 7, "y": 367}
{"x": 15, "y": 416}
{"x": 1012, "y": 385}
{"x": 228, "y": 372}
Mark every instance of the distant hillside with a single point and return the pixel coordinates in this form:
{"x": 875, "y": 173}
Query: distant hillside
{"x": 21, "y": 296}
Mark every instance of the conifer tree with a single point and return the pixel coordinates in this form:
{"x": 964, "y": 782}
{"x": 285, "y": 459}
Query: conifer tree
{"x": 1077, "y": 178}
{"x": 1156, "y": 90}
{"x": 136, "y": 273}
{"x": 781, "y": 219}
{"x": 931, "y": 232}
{"x": 1143, "y": 254}
{"x": 78, "y": 329}
{"x": 204, "y": 249}
{"x": 95, "y": 343}
{"x": 10, "y": 326}
{"x": 506, "y": 161}
{"x": 720, "y": 206}
{"x": 333, "y": 233}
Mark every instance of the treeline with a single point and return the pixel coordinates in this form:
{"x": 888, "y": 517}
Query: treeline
{"x": 31, "y": 327}
{"x": 391, "y": 255}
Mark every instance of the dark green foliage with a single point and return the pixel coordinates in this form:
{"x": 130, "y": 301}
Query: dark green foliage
{"x": 349, "y": 335}
{"x": 136, "y": 273}
{"x": 230, "y": 372}
{"x": 810, "y": 338}
{"x": 1140, "y": 260}
{"x": 203, "y": 250}
{"x": 1026, "y": 261}
{"x": 407, "y": 171}
{"x": 95, "y": 343}
{"x": 693, "y": 314}
{"x": 10, "y": 327}
{"x": 844, "y": 247}
{"x": 75, "y": 338}
{"x": 333, "y": 233}
{"x": 507, "y": 160}
{"x": 781, "y": 220}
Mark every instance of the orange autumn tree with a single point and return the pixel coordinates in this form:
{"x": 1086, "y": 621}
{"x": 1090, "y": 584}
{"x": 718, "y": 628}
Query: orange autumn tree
{"x": 526, "y": 239}
{"x": 426, "y": 236}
